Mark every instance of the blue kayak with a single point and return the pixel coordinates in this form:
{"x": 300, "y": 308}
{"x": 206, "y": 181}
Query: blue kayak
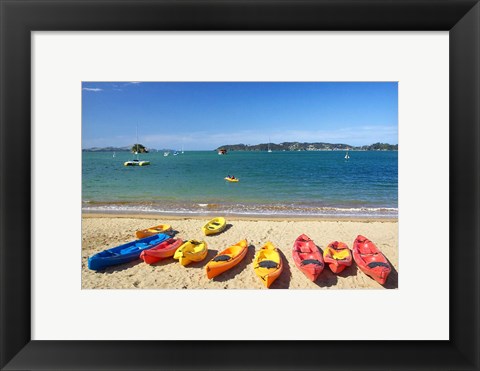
{"x": 124, "y": 253}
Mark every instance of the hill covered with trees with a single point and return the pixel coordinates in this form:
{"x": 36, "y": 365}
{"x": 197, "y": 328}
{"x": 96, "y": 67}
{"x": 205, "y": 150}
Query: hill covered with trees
{"x": 318, "y": 146}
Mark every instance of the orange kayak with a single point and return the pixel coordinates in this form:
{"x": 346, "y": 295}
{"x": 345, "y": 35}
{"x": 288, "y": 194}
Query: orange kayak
{"x": 338, "y": 256}
{"x": 307, "y": 257}
{"x": 227, "y": 259}
{"x": 162, "y": 228}
{"x": 165, "y": 250}
{"x": 371, "y": 260}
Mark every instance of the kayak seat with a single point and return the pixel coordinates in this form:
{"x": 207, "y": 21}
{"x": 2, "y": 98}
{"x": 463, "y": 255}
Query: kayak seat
{"x": 304, "y": 251}
{"x": 378, "y": 264}
{"x": 221, "y": 258}
{"x": 312, "y": 261}
{"x": 267, "y": 264}
{"x": 108, "y": 253}
{"x": 340, "y": 254}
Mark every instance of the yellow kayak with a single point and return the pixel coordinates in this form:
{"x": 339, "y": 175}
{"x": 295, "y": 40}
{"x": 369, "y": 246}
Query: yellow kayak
{"x": 268, "y": 264}
{"x": 233, "y": 180}
{"x": 214, "y": 226}
{"x": 191, "y": 251}
{"x": 162, "y": 228}
{"x": 227, "y": 259}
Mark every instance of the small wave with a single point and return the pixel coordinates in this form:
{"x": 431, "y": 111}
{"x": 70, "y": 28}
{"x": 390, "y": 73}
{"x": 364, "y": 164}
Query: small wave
{"x": 277, "y": 210}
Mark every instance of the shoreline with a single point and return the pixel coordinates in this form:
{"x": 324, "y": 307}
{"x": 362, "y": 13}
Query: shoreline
{"x": 209, "y": 208}
{"x": 116, "y": 215}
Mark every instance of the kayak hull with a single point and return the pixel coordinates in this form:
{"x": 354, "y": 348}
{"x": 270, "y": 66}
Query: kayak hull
{"x": 234, "y": 253}
{"x": 214, "y": 226}
{"x": 231, "y": 180}
{"x": 165, "y": 250}
{"x": 371, "y": 260}
{"x": 268, "y": 264}
{"x": 124, "y": 253}
{"x": 191, "y": 251}
{"x": 136, "y": 163}
{"x": 307, "y": 257}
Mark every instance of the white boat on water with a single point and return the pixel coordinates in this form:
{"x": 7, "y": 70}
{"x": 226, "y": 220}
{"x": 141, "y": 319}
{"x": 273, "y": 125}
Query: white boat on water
{"x": 136, "y": 161}
{"x": 347, "y": 156}
{"x": 165, "y": 154}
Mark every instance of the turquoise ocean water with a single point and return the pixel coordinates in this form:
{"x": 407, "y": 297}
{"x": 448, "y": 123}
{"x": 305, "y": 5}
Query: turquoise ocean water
{"x": 308, "y": 183}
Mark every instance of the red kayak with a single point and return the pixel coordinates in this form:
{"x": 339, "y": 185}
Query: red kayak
{"x": 371, "y": 260}
{"x": 165, "y": 250}
{"x": 307, "y": 257}
{"x": 338, "y": 256}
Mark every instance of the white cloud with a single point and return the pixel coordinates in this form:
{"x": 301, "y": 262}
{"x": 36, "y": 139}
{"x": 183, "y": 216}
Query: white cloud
{"x": 92, "y": 89}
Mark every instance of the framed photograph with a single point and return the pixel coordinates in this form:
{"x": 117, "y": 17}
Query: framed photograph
{"x": 224, "y": 202}
{"x": 166, "y": 167}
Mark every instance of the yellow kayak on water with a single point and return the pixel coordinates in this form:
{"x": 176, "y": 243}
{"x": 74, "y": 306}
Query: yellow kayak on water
{"x": 268, "y": 264}
{"x": 191, "y": 251}
{"x": 233, "y": 180}
{"x": 216, "y": 225}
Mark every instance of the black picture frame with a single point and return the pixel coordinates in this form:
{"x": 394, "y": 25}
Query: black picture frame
{"x": 18, "y": 18}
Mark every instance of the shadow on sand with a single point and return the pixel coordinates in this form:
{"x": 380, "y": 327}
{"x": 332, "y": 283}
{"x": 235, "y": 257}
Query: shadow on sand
{"x": 326, "y": 279}
{"x": 231, "y": 273}
{"x": 392, "y": 280}
{"x": 121, "y": 267}
{"x": 163, "y": 262}
{"x": 352, "y": 270}
{"x": 283, "y": 281}
{"x": 210, "y": 255}
{"x": 172, "y": 233}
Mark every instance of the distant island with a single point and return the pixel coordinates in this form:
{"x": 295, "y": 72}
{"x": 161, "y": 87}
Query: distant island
{"x": 285, "y": 146}
{"x": 107, "y": 149}
{"x": 132, "y": 149}
{"x": 297, "y": 146}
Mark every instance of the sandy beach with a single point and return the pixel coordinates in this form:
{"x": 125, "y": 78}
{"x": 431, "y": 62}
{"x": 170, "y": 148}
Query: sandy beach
{"x": 104, "y": 231}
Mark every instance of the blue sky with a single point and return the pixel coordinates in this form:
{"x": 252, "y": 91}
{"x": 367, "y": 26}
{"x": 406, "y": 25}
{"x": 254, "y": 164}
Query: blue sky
{"x": 206, "y": 115}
